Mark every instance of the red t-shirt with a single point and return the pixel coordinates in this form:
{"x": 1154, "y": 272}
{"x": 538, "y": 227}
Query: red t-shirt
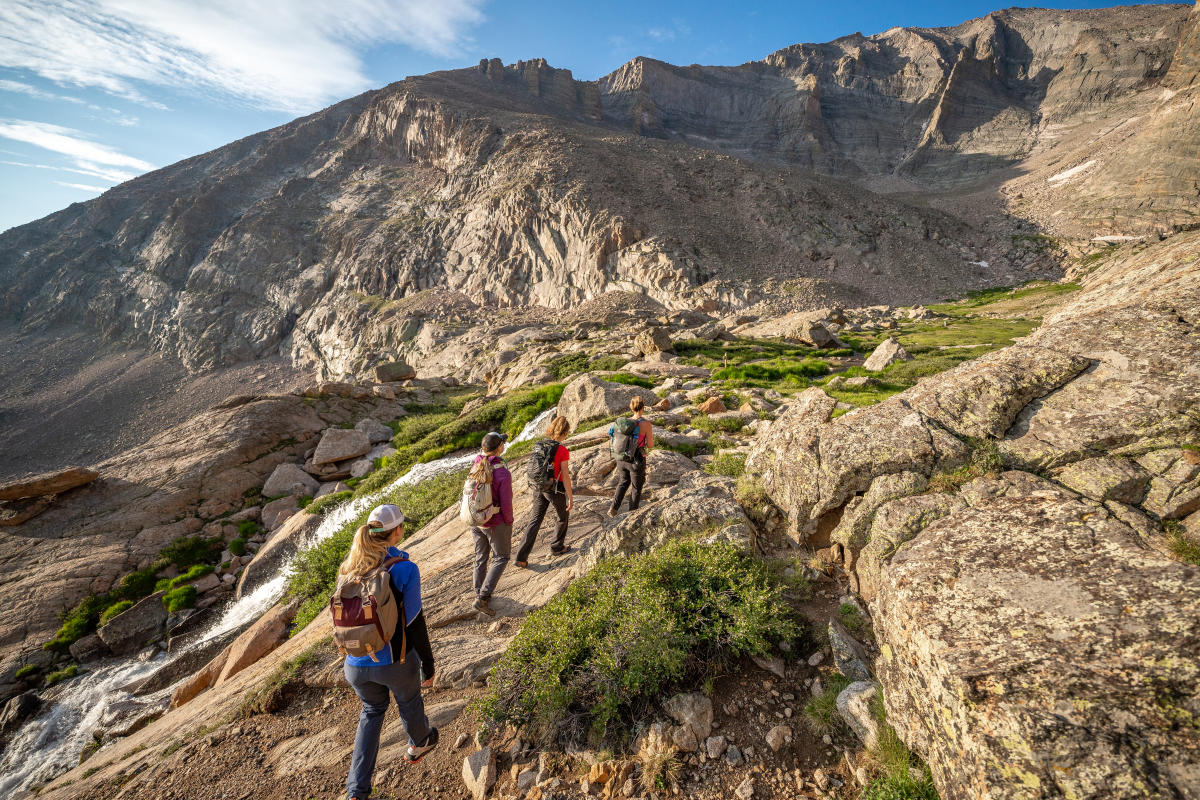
{"x": 561, "y": 457}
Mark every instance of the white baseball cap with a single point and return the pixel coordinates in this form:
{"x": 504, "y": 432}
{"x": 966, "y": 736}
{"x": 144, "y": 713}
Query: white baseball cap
{"x": 385, "y": 518}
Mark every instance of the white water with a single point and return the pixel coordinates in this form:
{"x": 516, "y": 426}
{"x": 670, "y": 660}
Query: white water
{"x": 50, "y": 744}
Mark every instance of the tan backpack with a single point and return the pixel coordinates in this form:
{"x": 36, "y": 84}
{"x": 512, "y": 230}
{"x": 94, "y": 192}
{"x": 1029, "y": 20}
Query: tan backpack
{"x": 367, "y": 613}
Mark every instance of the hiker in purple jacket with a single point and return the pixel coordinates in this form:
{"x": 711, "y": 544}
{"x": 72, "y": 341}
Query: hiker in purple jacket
{"x": 493, "y": 539}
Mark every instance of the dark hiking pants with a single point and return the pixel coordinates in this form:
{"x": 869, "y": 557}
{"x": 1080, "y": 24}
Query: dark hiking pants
{"x": 541, "y": 503}
{"x": 631, "y": 475}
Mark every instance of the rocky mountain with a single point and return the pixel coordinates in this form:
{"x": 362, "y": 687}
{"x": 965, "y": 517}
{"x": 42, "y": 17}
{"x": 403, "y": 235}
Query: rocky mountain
{"x": 517, "y": 185}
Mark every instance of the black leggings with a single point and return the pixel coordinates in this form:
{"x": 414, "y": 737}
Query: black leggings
{"x": 632, "y": 474}
{"x": 541, "y": 503}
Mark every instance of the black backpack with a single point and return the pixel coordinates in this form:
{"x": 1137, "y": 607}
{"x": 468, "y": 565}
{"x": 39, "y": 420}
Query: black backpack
{"x": 540, "y": 469}
{"x": 625, "y": 439}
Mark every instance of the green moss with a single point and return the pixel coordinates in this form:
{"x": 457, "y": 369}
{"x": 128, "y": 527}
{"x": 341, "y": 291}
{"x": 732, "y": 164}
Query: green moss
{"x": 27, "y": 671}
{"x": 237, "y": 546}
{"x": 114, "y": 610}
{"x": 590, "y": 663}
{"x": 690, "y": 449}
{"x": 193, "y": 574}
{"x": 78, "y": 622}
{"x": 137, "y": 585}
{"x": 852, "y": 618}
{"x": 180, "y": 598}
{"x": 986, "y": 459}
{"x": 248, "y": 528}
{"x": 63, "y": 674}
{"x": 186, "y": 551}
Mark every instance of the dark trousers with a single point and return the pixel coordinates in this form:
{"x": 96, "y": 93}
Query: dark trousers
{"x": 492, "y": 546}
{"x": 541, "y": 503}
{"x": 632, "y": 474}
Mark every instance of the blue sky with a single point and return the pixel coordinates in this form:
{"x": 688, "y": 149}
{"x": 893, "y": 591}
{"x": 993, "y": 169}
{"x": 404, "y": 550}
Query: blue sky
{"x": 95, "y": 92}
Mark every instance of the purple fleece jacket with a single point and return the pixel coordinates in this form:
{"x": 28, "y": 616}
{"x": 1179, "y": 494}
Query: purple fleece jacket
{"x": 501, "y": 492}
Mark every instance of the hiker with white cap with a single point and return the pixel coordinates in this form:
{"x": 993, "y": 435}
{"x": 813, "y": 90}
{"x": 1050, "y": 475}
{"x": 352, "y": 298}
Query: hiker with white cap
{"x": 379, "y": 626}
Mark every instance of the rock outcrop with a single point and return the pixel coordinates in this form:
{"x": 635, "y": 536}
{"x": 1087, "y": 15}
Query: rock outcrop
{"x": 1038, "y": 616}
{"x": 590, "y": 397}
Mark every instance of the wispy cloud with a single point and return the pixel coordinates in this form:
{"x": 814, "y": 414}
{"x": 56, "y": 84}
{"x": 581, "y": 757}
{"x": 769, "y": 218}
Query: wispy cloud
{"x": 83, "y": 186}
{"x": 85, "y": 157}
{"x": 292, "y": 56}
{"x": 33, "y": 91}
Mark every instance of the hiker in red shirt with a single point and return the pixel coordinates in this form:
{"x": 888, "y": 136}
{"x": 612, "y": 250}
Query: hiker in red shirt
{"x": 550, "y": 482}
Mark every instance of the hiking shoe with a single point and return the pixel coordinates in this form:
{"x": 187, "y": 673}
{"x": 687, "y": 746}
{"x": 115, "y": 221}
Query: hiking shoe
{"x": 483, "y": 607}
{"x": 612, "y": 512}
{"x": 566, "y": 549}
{"x": 417, "y": 751}
{"x": 521, "y": 564}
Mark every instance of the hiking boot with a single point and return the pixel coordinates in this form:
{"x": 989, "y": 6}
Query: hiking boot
{"x": 521, "y": 564}
{"x": 417, "y": 751}
{"x": 566, "y": 549}
{"x": 483, "y": 607}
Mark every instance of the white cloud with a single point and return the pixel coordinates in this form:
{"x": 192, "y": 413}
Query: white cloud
{"x": 33, "y": 91}
{"x": 83, "y": 186}
{"x": 85, "y": 157}
{"x": 291, "y": 55}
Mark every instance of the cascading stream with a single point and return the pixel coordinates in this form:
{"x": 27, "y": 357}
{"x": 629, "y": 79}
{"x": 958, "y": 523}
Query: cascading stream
{"x": 50, "y": 744}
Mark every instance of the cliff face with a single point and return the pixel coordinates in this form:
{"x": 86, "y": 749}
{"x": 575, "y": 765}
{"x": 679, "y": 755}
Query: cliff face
{"x": 518, "y": 185}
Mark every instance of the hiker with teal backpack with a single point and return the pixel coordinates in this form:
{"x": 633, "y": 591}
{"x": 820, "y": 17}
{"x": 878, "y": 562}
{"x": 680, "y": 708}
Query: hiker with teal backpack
{"x": 631, "y": 437}
{"x": 487, "y": 507}
{"x": 378, "y": 625}
{"x": 550, "y": 483}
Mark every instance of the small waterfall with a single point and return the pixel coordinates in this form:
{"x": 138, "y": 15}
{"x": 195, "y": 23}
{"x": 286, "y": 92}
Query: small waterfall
{"x": 50, "y": 744}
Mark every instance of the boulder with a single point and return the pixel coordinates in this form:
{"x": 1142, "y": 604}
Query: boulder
{"x": 699, "y": 502}
{"x": 1106, "y": 479}
{"x": 854, "y": 706}
{"x": 714, "y": 747}
{"x": 667, "y": 468}
{"x": 17, "y": 710}
{"x": 653, "y": 340}
{"x": 259, "y": 639}
{"x": 394, "y": 371}
{"x": 859, "y": 382}
{"x": 88, "y": 648}
{"x": 136, "y": 626}
{"x": 887, "y": 353}
{"x": 849, "y": 656}
{"x": 376, "y": 431}
{"x": 46, "y": 483}
{"x": 330, "y": 488}
{"x": 713, "y": 405}
{"x": 276, "y": 512}
{"x": 815, "y": 333}
{"x": 339, "y": 444}
{"x": 694, "y": 714}
{"x": 589, "y": 397}
{"x": 290, "y": 479}
{"x": 361, "y": 468}
{"x": 479, "y": 772}
{"x": 277, "y": 550}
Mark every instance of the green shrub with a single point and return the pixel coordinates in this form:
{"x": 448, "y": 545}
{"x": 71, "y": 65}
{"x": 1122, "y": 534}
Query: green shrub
{"x": 323, "y": 504}
{"x": 27, "y": 671}
{"x": 237, "y": 546}
{"x": 248, "y": 528}
{"x": 725, "y": 424}
{"x": 78, "y": 622}
{"x": 608, "y": 362}
{"x": 730, "y": 464}
{"x": 852, "y": 618}
{"x": 316, "y": 567}
{"x": 188, "y": 550}
{"x": 629, "y": 379}
{"x": 180, "y": 598}
{"x": 114, "y": 609}
{"x": 567, "y": 364}
{"x": 305, "y": 500}
{"x": 593, "y": 660}
{"x": 689, "y": 449}
{"x": 63, "y": 674}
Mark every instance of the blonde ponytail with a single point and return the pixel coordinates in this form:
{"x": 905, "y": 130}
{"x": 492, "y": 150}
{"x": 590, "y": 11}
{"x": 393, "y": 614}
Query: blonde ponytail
{"x": 481, "y": 471}
{"x": 367, "y": 551}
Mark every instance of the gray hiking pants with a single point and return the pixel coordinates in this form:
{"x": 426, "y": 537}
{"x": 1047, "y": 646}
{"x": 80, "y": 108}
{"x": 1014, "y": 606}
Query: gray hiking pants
{"x": 492, "y": 548}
